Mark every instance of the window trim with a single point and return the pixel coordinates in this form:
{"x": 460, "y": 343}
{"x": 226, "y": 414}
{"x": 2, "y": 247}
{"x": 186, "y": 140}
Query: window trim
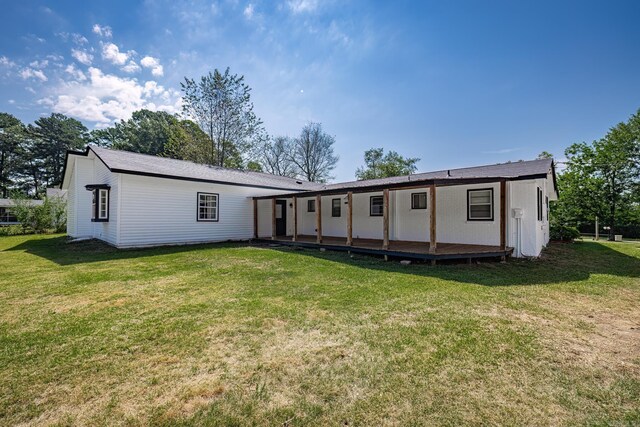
{"x": 333, "y": 208}
{"x": 217, "y": 216}
{"x": 471, "y": 190}
{"x": 311, "y": 202}
{"x": 539, "y": 203}
{"x": 425, "y": 200}
{"x": 95, "y": 217}
{"x": 371, "y": 205}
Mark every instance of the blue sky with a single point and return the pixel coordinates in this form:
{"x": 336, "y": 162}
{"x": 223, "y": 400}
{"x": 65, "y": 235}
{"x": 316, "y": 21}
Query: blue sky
{"x": 455, "y": 83}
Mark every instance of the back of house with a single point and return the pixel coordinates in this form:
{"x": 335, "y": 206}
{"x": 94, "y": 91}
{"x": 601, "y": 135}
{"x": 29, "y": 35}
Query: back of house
{"x": 135, "y": 200}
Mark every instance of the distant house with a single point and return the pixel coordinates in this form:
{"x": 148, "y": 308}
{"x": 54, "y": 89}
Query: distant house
{"x": 134, "y": 200}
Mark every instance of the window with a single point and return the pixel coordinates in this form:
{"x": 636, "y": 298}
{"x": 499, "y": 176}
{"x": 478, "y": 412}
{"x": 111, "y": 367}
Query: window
{"x": 207, "y": 207}
{"x": 480, "y": 205}
{"x": 6, "y": 216}
{"x": 311, "y": 205}
{"x": 335, "y": 207}
{"x": 419, "y": 201}
{"x": 539, "y": 204}
{"x": 100, "y": 205}
{"x": 546, "y": 203}
{"x": 375, "y": 206}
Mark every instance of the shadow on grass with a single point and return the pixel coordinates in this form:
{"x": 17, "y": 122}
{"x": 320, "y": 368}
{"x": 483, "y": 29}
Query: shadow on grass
{"x": 56, "y": 249}
{"x": 559, "y": 262}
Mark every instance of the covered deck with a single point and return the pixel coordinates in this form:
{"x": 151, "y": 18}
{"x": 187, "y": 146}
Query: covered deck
{"x": 387, "y": 245}
{"x": 396, "y": 248}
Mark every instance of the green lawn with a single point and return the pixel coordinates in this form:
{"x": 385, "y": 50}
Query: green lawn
{"x": 237, "y": 335}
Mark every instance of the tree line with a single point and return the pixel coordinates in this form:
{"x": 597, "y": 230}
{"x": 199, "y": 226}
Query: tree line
{"x": 601, "y": 180}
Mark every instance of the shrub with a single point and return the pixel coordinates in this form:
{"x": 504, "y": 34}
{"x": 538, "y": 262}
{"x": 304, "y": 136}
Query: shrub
{"x": 563, "y": 233}
{"x": 11, "y": 230}
{"x": 49, "y": 216}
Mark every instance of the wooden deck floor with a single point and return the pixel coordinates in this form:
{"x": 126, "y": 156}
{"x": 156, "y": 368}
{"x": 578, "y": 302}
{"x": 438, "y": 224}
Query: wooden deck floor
{"x": 400, "y": 248}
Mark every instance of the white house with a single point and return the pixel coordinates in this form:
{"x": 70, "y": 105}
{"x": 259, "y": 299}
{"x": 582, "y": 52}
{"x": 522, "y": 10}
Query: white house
{"x": 134, "y": 200}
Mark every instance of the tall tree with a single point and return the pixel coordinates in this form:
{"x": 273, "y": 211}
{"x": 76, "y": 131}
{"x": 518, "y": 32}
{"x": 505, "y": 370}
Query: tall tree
{"x": 600, "y": 178}
{"x": 191, "y": 144}
{"x": 146, "y": 132}
{"x": 221, "y": 104}
{"x": 276, "y": 157}
{"x": 52, "y": 136}
{"x": 12, "y": 132}
{"x": 312, "y": 153}
{"x": 379, "y": 165}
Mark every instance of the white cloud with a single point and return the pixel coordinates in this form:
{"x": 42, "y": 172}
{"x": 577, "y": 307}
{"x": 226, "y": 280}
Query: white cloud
{"x": 6, "y": 62}
{"x": 154, "y": 64}
{"x": 82, "y": 56}
{"x": 102, "y": 31}
{"x": 248, "y": 11}
{"x": 30, "y": 89}
{"x": 112, "y": 53}
{"x": 30, "y": 73}
{"x": 79, "y": 39}
{"x": 12, "y": 101}
{"x": 131, "y": 67}
{"x": 105, "y": 98}
{"x": 39, "y": 64}
{"x": 301, "y": 6}
{"x": 75, "y": 73}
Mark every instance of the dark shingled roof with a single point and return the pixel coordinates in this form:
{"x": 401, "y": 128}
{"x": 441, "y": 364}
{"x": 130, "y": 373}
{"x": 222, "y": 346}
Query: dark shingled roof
{"x": 143, "y": 164}
{"x": 513, "y": 170}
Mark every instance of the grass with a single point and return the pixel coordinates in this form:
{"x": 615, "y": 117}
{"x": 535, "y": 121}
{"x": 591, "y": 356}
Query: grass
{"x": 239, "y": 335}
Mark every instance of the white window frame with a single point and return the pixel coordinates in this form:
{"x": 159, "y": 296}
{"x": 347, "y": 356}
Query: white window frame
{"x": 215, "y": 209}
{"x": 470, "y": 217}
{"x": 103, "y": 204}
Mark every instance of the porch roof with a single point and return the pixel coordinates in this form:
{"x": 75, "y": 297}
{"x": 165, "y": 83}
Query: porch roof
{"x": 520, "y": 170}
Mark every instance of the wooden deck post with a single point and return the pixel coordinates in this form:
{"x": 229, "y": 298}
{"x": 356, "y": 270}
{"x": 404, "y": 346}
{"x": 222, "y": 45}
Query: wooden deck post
{"x": 295, "y": 219}
{"x": 273, "y": 219}
{"x": 432, "y": 218}
{"x": 255, "y": 218}
{"x": 319, "y": 219}
{"x": 503, "y": 214}
{"x": 385, "y": 218}
{"x": 349, "y": 218}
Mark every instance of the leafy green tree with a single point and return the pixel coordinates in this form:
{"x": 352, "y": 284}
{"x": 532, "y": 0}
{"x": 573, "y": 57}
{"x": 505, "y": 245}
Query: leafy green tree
{"x": 545, "y": 155}
{"x": 51, "y": 138}
{"x": 601, "y": 178}
{"x": 254, "y": 166}
{"x": 221, "y": 104}
{"x": 12, "y": 132}
{"x": 190, "y": 143}
{"x": 379, "y": 165}
{"x": 147, "y": 132}
{"x": 312, "y": 153}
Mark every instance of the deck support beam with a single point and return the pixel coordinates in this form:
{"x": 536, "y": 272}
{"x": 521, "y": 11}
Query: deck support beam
{"x": 432, "y": 219}
{"x": 503, "y": 215}
{"x": 385, "y": 218}
{"x": 318, "y": 219}
{"x": 294, "y": 237}
{"x": 273, "y": 219}
{"x": 349, "y": 218}
{"x": 255, "y": 218}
